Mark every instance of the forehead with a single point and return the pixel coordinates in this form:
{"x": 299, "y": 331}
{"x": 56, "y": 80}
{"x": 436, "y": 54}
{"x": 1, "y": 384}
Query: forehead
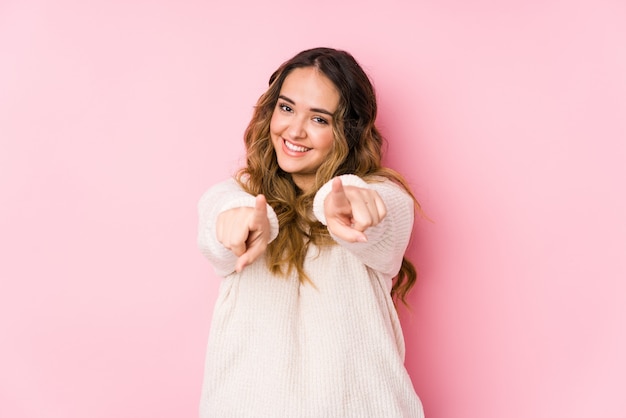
{"x": 310, "y": 87}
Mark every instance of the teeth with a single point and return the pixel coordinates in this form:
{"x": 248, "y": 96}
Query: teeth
{"x": 294, "y": 147}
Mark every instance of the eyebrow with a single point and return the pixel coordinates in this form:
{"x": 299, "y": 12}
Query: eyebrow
{"x": 313, "y": 109}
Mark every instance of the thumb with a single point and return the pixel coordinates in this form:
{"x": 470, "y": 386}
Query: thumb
{"x": 260, "y": 211}
{"x": 338, "y": 200}
{"x": 260, "y": 203}
{"x": 258, "y": 231}
{"x": 338, "y": 197}
{"x": 337, "y": 186}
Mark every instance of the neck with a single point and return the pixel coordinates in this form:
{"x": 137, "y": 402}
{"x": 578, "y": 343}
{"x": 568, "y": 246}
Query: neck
{"x": 305, "y": 184}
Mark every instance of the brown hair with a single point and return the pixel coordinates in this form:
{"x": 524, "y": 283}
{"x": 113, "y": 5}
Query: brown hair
{"x": 357, "y": 149}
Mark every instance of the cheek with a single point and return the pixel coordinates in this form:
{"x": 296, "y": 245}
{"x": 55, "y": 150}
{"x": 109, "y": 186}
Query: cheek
{"x": 275, "y": 131}
{"x": 275, "y": 125}
{"x": 329, "y": 140}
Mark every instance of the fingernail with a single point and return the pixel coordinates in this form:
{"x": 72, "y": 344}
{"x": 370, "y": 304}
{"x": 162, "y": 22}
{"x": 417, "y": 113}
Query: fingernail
{"x": 362, "y": 239}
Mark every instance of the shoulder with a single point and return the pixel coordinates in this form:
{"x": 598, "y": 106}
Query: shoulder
{"x": 223, "y": 187}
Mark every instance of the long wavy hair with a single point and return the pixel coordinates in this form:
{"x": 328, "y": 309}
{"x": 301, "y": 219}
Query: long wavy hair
{"x": 357, "y": 149}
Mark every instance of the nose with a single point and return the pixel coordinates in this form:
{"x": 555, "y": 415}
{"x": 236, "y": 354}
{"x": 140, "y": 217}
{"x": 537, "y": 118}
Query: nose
{"x": 297, "y": 127}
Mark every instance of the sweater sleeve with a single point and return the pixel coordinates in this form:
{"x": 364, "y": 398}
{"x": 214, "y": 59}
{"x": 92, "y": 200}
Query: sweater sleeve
{"x": 219, "y": 198}
{"x": 387, "y": 241}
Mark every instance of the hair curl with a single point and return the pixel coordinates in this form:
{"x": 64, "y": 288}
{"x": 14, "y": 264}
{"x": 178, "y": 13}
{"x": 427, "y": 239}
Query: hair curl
{"x": 357, "y": 149}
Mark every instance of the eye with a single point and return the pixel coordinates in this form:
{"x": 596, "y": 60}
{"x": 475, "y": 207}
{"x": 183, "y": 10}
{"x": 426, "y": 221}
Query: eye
{"x": 285, "y": 107}
{"x": 320, "y": 120}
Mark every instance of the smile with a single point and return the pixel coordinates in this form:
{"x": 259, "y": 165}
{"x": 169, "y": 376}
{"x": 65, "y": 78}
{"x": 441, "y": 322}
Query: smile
{"x": 294, "y": 147}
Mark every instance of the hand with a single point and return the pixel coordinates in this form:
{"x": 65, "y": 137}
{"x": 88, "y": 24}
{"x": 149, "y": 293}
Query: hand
{"x": 351, "y": 210}
{"x": 245, "y": 231}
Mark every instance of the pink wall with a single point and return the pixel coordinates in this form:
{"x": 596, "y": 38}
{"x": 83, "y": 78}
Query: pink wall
{"x": 508, "y": 118}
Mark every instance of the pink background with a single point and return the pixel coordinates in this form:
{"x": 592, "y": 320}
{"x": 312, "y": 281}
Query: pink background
{"x": 507, "y": 117}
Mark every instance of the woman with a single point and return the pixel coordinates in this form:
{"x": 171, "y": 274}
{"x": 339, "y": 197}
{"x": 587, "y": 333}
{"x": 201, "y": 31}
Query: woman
{"x": 310, "y": 238}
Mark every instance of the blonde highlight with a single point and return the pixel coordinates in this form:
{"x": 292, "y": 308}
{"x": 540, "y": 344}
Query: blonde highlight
{"x": 357, "y": 149}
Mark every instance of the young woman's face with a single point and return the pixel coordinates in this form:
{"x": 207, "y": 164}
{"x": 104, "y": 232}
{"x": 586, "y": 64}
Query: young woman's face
{"x": 302, "y": 124}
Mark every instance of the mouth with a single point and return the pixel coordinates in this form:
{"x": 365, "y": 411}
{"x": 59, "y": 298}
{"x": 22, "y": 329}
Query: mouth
{"x": 295, "y": 148}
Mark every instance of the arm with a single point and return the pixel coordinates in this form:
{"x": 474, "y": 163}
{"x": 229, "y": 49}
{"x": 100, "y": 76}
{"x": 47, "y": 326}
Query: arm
{"x": 377, "y": 233}
{"x": 232, "y": 224}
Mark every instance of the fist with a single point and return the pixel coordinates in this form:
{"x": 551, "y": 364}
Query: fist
{"x": 351, "y": 210}
{"x": 245, "y": 231}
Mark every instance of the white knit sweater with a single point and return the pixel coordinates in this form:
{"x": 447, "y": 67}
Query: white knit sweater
{"x": 279, "y": 348}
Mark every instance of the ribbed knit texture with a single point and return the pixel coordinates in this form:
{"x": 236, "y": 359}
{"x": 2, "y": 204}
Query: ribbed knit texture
{"x": 279, "y": 348}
